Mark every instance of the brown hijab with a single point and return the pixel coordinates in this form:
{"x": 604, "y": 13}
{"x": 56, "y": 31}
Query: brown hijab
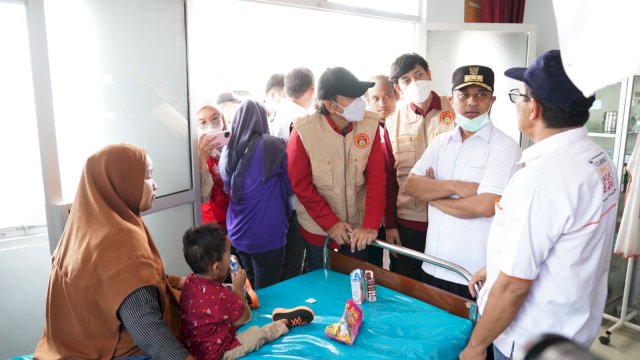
{"x": 105, "y": 253}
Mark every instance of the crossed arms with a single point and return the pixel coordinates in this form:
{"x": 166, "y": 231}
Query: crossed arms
{"x": 469, "y": 205}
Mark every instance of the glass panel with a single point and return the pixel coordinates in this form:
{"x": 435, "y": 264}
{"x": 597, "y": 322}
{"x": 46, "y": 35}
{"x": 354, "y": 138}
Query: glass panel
{"x": 634, "y": 119}
{"x": 167, "y": 228}
{"x": 618, "y": 266}
{"x": 118, "y": 73}
{"x": 633, "y": 125}
{"x": 406, "y": 7}
{"x": 449, "y": 49}
{"x": 603, "y": 117}
{"x": 226, "y": 56}
{"x": 21, "y": 191}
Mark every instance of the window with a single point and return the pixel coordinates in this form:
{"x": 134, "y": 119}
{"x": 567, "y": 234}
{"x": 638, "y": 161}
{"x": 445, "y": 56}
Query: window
{"x": 237, "y": 45}
{"x": 405, "y": 7}
{"x": 118, "y": 74}
{"x": 22, "y": 205}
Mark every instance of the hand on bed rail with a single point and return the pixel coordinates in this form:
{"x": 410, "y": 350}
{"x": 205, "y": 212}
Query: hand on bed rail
{"x": 393, "y": 237}
{"x": 476, "y": 282}
{"x": 361, "y": 238}
{"x": 339, "y": 232}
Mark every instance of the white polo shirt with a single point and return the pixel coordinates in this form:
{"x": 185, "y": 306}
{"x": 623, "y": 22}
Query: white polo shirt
{"x": 488, "y": 158}
{"x": 554, "y": 225}
{"x": 287, "y": 112}
{"x": 280, "y": 127}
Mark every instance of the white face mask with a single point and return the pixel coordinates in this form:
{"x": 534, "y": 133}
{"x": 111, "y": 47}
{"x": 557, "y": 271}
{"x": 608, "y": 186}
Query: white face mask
{"x": 355, "y": 111}
{"x": 209, "y": 129}
{"x": 418, "y": 91}
{"x": 472, "y": 125}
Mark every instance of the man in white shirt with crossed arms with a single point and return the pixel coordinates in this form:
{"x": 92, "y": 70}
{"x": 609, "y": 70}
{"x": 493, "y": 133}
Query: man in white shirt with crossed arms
{"x": 551, "y": 238}
{"x": 461, "y": 175}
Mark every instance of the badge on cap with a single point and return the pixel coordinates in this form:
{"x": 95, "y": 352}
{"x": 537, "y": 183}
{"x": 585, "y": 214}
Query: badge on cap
{"x": 473, "y": 75}
{"x": 446, "y": 117}
{"x": 361, "y": 140}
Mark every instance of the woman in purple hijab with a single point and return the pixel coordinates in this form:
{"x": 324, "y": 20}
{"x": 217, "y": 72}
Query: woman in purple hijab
{"x": 254, "y": 170}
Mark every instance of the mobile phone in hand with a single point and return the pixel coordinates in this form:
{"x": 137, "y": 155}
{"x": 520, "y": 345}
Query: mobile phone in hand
{"x": 219, "y": 138}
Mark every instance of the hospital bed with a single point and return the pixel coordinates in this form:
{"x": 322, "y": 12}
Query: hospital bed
{"x": 409, "y": 320}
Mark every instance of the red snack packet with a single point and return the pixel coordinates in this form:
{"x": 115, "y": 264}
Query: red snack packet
{"x": 346, "y": 329}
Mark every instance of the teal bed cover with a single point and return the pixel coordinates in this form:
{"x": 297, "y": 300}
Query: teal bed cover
{"x": 396, "y": 326}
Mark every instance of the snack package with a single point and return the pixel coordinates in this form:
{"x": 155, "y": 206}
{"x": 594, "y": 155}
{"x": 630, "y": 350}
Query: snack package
{"x": 346, "y": 329}
{"x": 371, "y": 285}
{"x": 357, "y": 286}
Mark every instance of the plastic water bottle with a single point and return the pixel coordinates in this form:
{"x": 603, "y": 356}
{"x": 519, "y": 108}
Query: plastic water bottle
{"x": 234, "y": 269}
{"x": 234, "y": 264}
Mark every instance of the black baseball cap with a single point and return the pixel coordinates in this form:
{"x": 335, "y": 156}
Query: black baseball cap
{"x": 547, "y": 79}
{"x": 472, "y": 75}
{"x": 340, "y": 81}
{"x": 226, "y": 97}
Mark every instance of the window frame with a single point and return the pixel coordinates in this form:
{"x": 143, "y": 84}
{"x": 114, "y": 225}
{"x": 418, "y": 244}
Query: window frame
{"x": 56, "y": 210}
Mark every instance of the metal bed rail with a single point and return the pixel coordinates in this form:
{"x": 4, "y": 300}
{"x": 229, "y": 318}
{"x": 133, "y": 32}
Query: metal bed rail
{"x": 474, "y": 314}
{"x": 410, "y": 253}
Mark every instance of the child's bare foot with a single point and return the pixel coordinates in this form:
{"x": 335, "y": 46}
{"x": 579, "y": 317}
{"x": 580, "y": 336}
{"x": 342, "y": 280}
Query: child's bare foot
{"x": 297, "y": 316}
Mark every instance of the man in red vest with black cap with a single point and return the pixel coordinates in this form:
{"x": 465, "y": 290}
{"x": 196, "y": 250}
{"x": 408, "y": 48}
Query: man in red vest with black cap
{"x": 336, "y": 168}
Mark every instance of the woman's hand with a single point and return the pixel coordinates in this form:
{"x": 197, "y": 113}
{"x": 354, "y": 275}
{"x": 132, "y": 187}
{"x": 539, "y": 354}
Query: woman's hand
{"x": 205, "y": 145}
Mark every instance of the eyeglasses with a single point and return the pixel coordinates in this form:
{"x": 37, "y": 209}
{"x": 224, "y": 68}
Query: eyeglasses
{"x": 514, "y": 93}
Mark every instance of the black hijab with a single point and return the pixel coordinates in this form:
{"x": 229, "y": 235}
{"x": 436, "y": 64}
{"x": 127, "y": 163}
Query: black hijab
{"x": 249, "y": 126}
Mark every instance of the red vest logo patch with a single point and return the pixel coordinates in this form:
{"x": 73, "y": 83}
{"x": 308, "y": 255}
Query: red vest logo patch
{"x": 361, "y": 140}
{"x": 446, "y": 117}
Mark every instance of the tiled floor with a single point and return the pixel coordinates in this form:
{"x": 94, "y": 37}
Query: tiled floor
{"x": 625, "y": 344}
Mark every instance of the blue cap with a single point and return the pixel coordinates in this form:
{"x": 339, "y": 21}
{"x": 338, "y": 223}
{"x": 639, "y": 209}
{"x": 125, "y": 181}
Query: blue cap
{"x": 547, "y": 79}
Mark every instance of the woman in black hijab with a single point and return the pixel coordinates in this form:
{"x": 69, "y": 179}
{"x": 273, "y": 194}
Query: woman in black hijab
{"x": 254, "y": 170}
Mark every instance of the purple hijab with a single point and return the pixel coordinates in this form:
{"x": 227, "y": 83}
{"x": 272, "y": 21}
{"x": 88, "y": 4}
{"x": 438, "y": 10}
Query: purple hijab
{"x": 249, "y": 127}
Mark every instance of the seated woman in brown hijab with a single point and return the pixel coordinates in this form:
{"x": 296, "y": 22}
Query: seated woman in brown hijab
{"x": 108, "y": 294}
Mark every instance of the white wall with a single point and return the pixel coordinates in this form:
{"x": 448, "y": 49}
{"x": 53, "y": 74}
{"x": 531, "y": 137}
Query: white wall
{"x": 445, "y": 11}
{"x": 540, "y": 12}
{"x": 24, "y": 275}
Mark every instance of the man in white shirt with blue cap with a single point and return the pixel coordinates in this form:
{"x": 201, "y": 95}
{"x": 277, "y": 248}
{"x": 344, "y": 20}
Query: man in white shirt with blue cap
{"x": 551, "y": 238}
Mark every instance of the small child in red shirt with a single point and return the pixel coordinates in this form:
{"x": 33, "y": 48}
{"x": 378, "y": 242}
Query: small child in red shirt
{"x": 210, "y": 313}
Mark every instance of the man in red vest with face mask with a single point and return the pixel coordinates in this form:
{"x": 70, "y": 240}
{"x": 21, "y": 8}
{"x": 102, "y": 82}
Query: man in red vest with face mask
{"x": 336, "y": 168}
{"x": 409, "y": 131}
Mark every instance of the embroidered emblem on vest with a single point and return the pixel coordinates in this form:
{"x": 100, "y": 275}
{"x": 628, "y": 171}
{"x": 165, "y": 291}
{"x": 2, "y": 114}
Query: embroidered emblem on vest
{"x": 361, "y": 140}
{"x": 446, "y": 117}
